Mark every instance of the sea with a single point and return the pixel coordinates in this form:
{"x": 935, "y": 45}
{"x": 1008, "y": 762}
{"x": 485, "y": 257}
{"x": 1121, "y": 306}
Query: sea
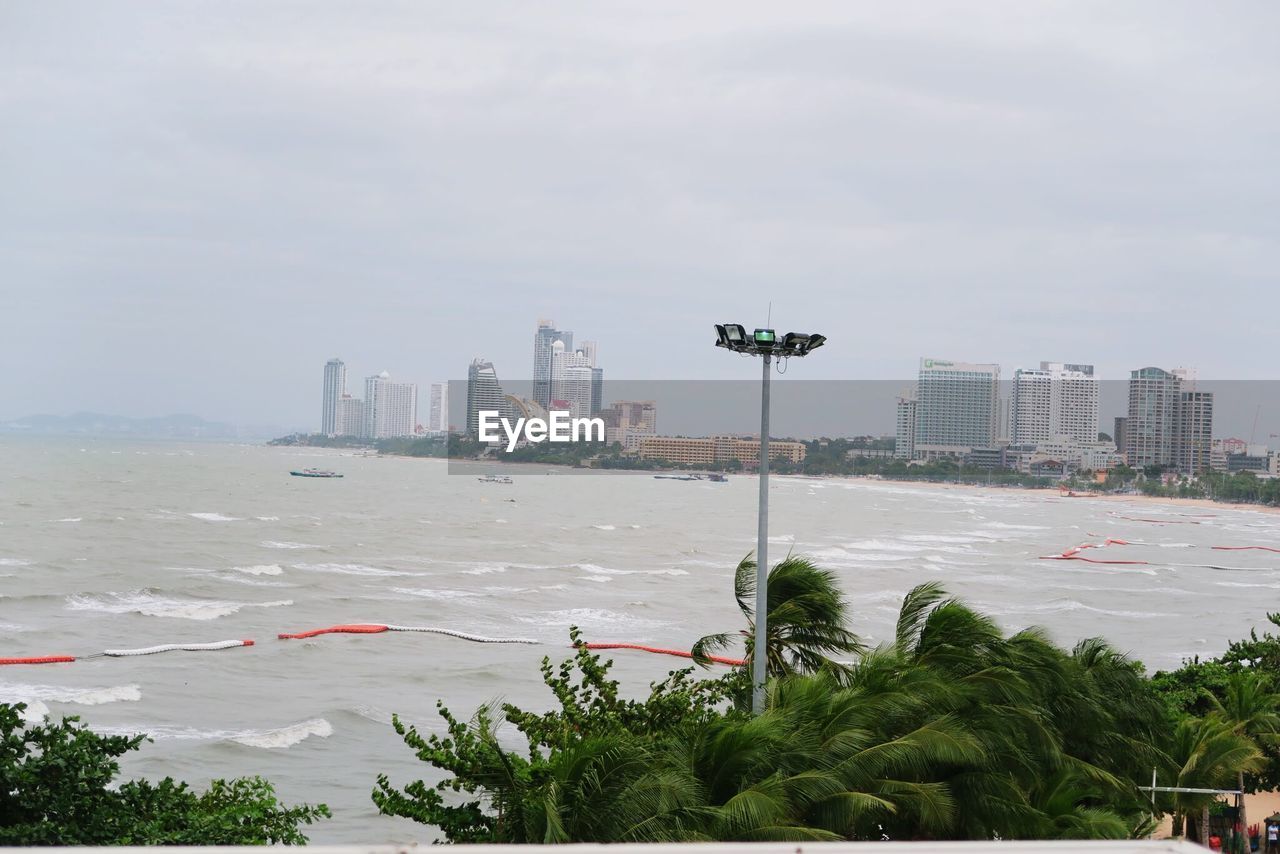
{"x": 115, "y": 544}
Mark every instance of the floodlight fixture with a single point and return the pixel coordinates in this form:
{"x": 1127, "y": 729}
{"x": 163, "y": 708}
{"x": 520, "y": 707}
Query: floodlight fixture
{"x": 764, "y": 343}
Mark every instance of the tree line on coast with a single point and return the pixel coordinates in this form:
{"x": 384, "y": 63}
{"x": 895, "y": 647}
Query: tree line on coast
{"x": 951, "y": 729}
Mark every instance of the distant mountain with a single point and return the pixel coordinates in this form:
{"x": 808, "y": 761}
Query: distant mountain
{"x": 97, "y": 424}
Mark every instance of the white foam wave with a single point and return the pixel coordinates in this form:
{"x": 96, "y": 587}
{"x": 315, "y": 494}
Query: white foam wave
{"x": 601, "y": 579}
{"x": 604, "y": 527}
{"x": 151, "y": 604}
{"x": 273, "y": 544}
{"x": 213, "y": 517}
{"x": 1009, "y": 526}
{"x": 267, "y": 518}
{"x": 590, "y": 618}
{"x": 427, "y": 593}
{"x": 69, "y": 519}
{"x": 260, "y": 569}
{"x": 14, "y": 561}
{"x": 351, "y": 569}
{"x": 282, "y": 737}
{"x": 484, "y": 569}
{"x": 906, "y": 548}
{"x": 28, "y": 693}
{"x": 11, "y": 628}
{"x": 1068, "y": 605}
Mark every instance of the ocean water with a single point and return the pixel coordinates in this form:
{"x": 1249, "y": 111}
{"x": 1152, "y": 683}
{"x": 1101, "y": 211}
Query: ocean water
{"x": 108, "y": 544}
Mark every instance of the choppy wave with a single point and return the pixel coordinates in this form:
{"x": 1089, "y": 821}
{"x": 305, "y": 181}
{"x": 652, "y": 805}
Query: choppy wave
{"x": 1059, "y": 606}
{"x": 267, "y": 518}
{"x": 14, "y": 561}
{"x": 274, "y": 544}
{"x": 428, "y": 593}
{"x": 150, "y": 603}
{"x": 37, "y": 697}
{"x": 214, "y": 517}
{"x": 351, "y": 569}
{"x": 271, "y": 739}
{"x": 605, "y": 527}
{"x": 596, "y": 569}
{"x": 260, "y": 569}
{"x": 589, "y": 618}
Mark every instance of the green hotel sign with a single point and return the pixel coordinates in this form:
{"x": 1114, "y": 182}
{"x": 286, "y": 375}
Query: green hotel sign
{"x": 937, "y": 363}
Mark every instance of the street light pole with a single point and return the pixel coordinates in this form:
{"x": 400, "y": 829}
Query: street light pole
{"x": 764, "y": 343}
{"x": 759, "y": 660}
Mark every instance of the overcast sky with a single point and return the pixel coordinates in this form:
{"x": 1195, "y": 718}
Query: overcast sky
{"x": 200, "y": 203}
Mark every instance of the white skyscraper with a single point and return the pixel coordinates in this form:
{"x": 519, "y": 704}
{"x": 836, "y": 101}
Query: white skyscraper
{"x": 335, "y": 386}
{"x": 350, "y": 416}
{"x": 572, "y": 380}
{"x": 438, "y": 414}
{"x": 1057, "y": 403}
{"x": 390, "y": 408}
{"x": 957, "y": 408}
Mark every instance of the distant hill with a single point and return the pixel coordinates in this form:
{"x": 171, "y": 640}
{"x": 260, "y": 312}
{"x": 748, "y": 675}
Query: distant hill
{"x": 97, "y": 424}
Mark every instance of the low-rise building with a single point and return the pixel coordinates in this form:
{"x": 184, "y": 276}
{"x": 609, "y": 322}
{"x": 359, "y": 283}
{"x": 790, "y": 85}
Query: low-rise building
{"x": 705, "y": 451}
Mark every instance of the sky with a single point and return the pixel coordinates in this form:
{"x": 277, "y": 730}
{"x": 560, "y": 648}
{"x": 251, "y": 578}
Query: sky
{"x": 202, "y": 202}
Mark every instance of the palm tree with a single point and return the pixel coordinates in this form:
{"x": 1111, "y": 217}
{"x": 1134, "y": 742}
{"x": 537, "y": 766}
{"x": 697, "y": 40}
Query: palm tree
{"x": 1208, "y": 753}
{"x": 1253, "y": 710}
{"x": 806, "y": 619}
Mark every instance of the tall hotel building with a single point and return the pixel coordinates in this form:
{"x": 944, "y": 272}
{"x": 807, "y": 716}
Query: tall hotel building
{"x": 1169, "y": 423}
{"x": 335, "y": 386}
{"x": 904, "y": 439}
{"x": 957, "y": 408}
{"x": 544, "y": 340}
{"x": 390, "y": 408}
{"x": 1057, "y": 403}
{"x": 438, "y": 410}
{"x": 484, "y": 393}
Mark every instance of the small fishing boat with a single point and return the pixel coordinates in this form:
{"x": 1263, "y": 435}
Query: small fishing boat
{"x": 315, "y": 473}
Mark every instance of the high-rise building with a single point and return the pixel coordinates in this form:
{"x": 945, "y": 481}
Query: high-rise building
{"x": 1058, "y": 402}
{"x": 957, "y": 408}
{"x": 484, "y": 392}
{"x": 1120, "y": 429}
{"x": 390, "y": 408}
{"x": 335, "y": 386}
{"x": 573, "y": 381}
{"x": 1170, "y": 423}
{"x": 1148, "y": 432}
{"x": 904, "y": 440}
{"x": 350, "y": 416}
{"x": 1193, "y": 432}
{"x": 543, "y": 339}
{"x": 438, "y": 413}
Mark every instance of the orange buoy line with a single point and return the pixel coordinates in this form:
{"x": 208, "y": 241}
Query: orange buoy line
{"x": 1244, "y": 548}
{"x": 1096, "y": 560}
{"x": 352, "y": 629}
{"x": 43, "y": 659}
{"x": 718, "y": 659}
{"x": 377, "y": 628}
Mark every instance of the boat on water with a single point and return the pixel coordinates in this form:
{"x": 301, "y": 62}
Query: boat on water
{"x": 315, "y": 473}
{"x": 495, "y": 478}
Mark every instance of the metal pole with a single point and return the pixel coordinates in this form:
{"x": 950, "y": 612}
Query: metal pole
{"x": 760, "y": 655}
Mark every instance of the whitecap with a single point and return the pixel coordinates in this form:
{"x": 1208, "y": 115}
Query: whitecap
{"x": 273, "y": 544}
{"x": 484, "y": 569}
{"x": 260, "y": 569}
{"x": 267, "y": 518}
{"x": 281, "y": 737}
{"x": 21, "y": 692}
{"x": 150, "y": 604}
{"x": 604, "y": 527}
{"x": 602, "y": 579}
{"x": 69, "y": 519}
{"x": 14, "y": 561}
{"x": 350, "y": 569}
{"x": 427, "y": 593}
{"x": 213, "y": 517}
